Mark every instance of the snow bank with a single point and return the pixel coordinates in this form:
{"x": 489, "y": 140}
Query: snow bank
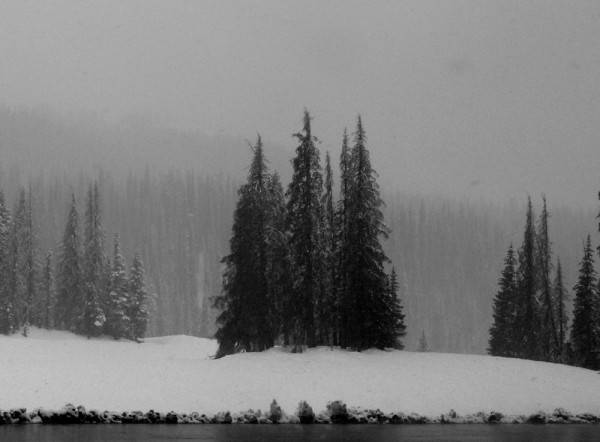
{"x": 51, "y": 368}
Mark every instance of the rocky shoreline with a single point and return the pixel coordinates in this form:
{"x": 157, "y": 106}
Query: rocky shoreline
{"x": 336, "y": 413}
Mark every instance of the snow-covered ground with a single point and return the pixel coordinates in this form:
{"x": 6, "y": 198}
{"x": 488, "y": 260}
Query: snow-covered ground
{"x": 51, "y": 368}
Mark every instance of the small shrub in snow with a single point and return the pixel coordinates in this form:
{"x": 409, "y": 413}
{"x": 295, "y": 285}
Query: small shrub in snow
{"x": 152, "y": 417}
{"x": 24, "y": 418}
{"x": 562, "y": 413}
{"x": 274, "y": 412}
{"x": 15, "y": 413}
{"x": 195, "y": 417}
{"x": 263, "y": 419}
{"x": 172, "y": 418}
{"x": 576, "y": 420}
{"x": 305, "y": 413}
{"x": 322, "y": 418}
{"x": 46, "y": 415}
{"x": 81, "y": 411}
{"x": 238, "y": 418}
{"x": 494, "y": 417}
{"x": 588, "y": 417}
{"x": 375, "y": 416}
{"x": 251, "y": 417}
{"x": 556, "y": 420}
{"x": 68, "y": 414}
{"x": 451, "y": 418}
{"x": 397, "y": 418}
{"x": 222, "y": 418}
{"x": 338, "y": 412}
{"x": 357, "y": 415}
{"x": 5, "y": 418}
{"x": 112, "y": 417}
{"x": 414, "y": 418}
{"x": 537, "y": 418}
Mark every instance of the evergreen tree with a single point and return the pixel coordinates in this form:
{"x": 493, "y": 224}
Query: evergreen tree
{"x": 397, "y": 328}
{"x": 527, "y": 321}
{"x": 341, "y": 239}
{"x": 246, "y": 321}
{"x": 501, "y": 341}
{"x": 15, "y": 278}
{"x": 138, "y": 299}
{"x": 31, "y": 269}
{"x": 548, "y": 331}
{"x": 6, "y": 305}
{"x": 305, "y": 226}
{"x": 598, "y": 216}
{"x": 560, "y": 298}
{"x": 327, "y": 303}
{"x": 585, "y": 332}
{"x": 69, "y": 280}
{"x": 47, "y": 294}
{"x": 329, "y": 205}
{"x": 367, "y": 314}
{"x": 93, "y": 319}
{"x": 22, "y": 274}
{"x": 118, "y": 324}
{"x": 279, "y": 265}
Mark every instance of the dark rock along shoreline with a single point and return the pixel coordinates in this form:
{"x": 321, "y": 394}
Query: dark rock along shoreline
{"x": 337, "y": 413}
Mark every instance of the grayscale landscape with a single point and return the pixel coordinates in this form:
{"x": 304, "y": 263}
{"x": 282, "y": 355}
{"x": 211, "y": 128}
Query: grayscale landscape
{"x": 389, "y": 204}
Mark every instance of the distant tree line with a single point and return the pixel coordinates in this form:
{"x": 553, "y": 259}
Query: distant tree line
{"x": 530, "y": 308}
{"x": 306, "y": 269}
{"x": 86, "y": 293}
{"x": 446, "y": 252}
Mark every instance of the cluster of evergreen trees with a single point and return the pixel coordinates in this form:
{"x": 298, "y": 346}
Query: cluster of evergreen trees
{"x": 530, "y": 314}
{"x": 529, "y": 309}
{"x": 303, "y": 267}
{"x": 85, "y": 294}
{"x": 585, "y": 330}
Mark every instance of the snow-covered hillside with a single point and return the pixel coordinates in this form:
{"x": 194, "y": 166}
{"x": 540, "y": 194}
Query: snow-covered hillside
{"x": 52, "y": 368}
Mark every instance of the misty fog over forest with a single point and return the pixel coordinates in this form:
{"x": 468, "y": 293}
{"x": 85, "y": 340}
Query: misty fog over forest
{"x": 174, "y": 204}
{"x": 470, "y": 108}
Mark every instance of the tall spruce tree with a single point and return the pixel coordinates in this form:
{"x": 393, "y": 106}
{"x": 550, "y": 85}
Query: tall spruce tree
{"x": 137, "y": 310}
{"x": 501, "y": 341}
{"x": 585, "y": 332}
{"x": 279, "y": 265}
{"x": 561, "y": 296}
{"x": 22, "y": 277}
{"x": 341, "y": 239}
{"x": 69, "y": 280}
{"x": 305, "y": 226}
{"x": 527, "y": 321}
{"x": 118, "y": 324}
{"x": 397, "y": 328}
{"x": 548, "y": 329}
{"x": 246, "y": 321}
{"x": 327, "y": 303}
{"x": 367, "y": 314}
{"x": 93, "y": 319}
{"x": 6, "y": 305}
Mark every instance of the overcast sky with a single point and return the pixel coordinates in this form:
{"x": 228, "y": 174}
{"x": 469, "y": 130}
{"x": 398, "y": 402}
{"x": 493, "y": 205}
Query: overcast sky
{"x": 494, "y": 98}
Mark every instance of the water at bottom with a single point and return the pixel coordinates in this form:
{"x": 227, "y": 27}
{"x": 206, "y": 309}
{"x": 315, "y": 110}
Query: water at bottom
{"x": 253, "y": 433}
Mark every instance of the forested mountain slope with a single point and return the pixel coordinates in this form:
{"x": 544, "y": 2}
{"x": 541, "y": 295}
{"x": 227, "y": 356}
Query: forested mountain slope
{"x": 171, "y": 195}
